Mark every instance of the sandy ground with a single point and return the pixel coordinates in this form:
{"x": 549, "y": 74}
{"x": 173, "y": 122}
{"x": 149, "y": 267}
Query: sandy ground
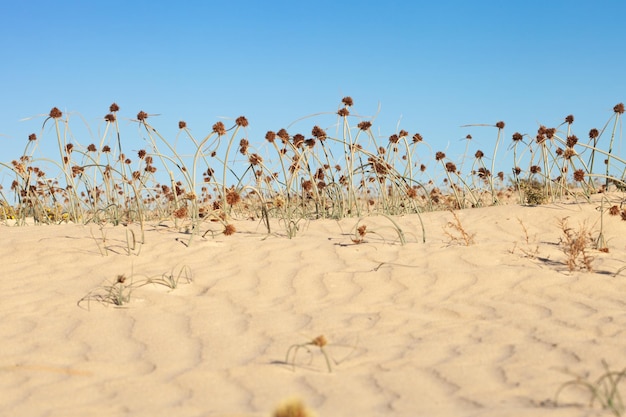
{"x": 421, "y": 329}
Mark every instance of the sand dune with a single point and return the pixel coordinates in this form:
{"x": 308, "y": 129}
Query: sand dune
{"x": 436, "y": 328}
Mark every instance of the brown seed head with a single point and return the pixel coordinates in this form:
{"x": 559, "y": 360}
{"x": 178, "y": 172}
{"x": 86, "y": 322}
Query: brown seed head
{"x": 394, "y": 138}
{"x": 364, "y": 125}
{"x": 579, "y": 175}
{"x": 343, "y": 112}
{"x": 141, "y": 154}
{"x": 283, "y": 135}
{"x": 569, "y": 119}
{"x": 32, "y": 137}
{"x": 241, "y": 121}
{"x": 255, "y": 159}
{"x": 535, "y": 169}
{"x": 270, "y": 136}
{"x": 92, "y": 148}
{"x": 439, "y": 156}
{"x": 614, "y": 211}
{"x": 110, "y": 118}
{"x": 182, "y": 124}
{"x": 106, "y": 149}
{"x": 517, "y": 137}
{"x": 450, "y": 167}
{"x": 500, "y": 125}
{"x": 318, "y": 132}
{"x": 593, "y": 133}
{"x": 619, "y": 108}
{"x": 479, "y": 154}
{"x": 181, "y": 213}
{"x": 142, "y": 116}
{"x": 68, "y": 148}
{"x": 319, "y": 341}
{"x": 219, "y": 128}
{"x": 229, "y": 230}
{"x": 347, "y": 101}
{"x": 55, "y": 113}
{"x": 298, "y": 140}
{"x": 232, "y": 196}
{"x": 571, "y": 141}
{"x": 114, "y": 107}
{"x": 417, "y": 138}
{"x": 569, "y": 153}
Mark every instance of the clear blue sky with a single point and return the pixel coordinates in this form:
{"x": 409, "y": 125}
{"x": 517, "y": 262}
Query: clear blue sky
{"x": 431, "y": 65}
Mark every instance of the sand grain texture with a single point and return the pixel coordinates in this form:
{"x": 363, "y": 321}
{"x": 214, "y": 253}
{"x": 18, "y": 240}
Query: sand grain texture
{"x": 435, "y": 328}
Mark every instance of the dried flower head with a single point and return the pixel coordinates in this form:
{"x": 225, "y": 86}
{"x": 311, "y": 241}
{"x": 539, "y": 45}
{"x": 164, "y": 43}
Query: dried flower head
{"x": 479, "y": 154}
{"x": 298, "y": 140}
{"x": 579, "y": 175}
{"x": 417, "y": 138}
{"x": 347, "y": 101}
{"x": 219, "y": 128}
{"x": 92, "y": 148}
{"x": 181, "y": 213}
{"x": 32, "y": 137}
{"x": 569, "y": 153}
{"x": 318, "y": 133}
{"x": 270, "y": 136}
{"x": 283, "y": 135}
{"x": 394, "y": 138}
{"x": 364, "y": 125}
{"x": 439, "y": 156}
{"x": 619, "y": 108}
{"x": 535, "y": 169}
{"x": 255, "y": 159}
{"x": 571, "y": 141}
{"x": 106, "y": 149}
{"x": 55, "y": 113}
{"x": 500, "y": 125}
{"x": 569, "y": 119}
{"x": 182, "y": 124}
{"x": 229, "y": 230}
{"x": 593, "y": 133}
{"x": 241, "y": 121}
{"x": 319, "y": 341}
{"x": 614, "y": 211}
{"x": 232, "y": 196}
{"x": 450, "y": 167}
{"x": 114, "y": 107}
{"x": 110, "y": 118}
{"x": 142, "y": 116}
{"x": 343, "y": 112}
{"x": 517, "y": 137}
{"x": 68, "y": 148}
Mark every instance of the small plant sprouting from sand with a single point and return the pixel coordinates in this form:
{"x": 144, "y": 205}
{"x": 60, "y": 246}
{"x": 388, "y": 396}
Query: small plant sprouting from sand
{"x": 118, "y": 293}
{"x": 605, "y": 390}
{"x": 292, "y": 407}
{"x": 457, "y": 233}
{"x": 359, "y": 231}
{"x": 319, "y": 341}
{"x": 576, "y": 245}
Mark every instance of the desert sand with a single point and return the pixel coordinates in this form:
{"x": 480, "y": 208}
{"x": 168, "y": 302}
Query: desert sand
{"x": 439, "y": 328}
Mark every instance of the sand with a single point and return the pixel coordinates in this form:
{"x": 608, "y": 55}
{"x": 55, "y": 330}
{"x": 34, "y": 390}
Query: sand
{"x": 434, "y": 329}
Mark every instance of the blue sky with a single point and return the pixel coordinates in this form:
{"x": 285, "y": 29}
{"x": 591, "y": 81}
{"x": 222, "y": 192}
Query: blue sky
{"x": 432, "y": 66}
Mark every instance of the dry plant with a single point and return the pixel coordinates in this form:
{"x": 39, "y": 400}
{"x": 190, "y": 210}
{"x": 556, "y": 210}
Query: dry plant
{"x": 457, "y": 233}
{"x": 118, "y": 293}
{"x": 360, "y": 230}
{"x": 292, "y": 407}
{"x": 303, "y": 175}
{"x": 529, "y": 251}
{"x": 604, "y": 390}
{"x": 319, "y": 341}
{"x": 576, "y": 245}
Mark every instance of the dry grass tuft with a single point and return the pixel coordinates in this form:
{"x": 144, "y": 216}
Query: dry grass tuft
{"x": 457, "y": 233}
{"x": 576, "y": 245}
